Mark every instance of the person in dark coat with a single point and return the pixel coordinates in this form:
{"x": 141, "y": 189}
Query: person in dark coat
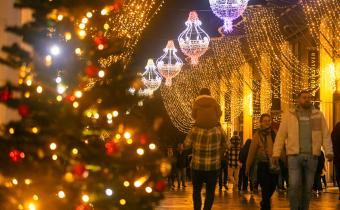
{"x": 317, "y": 178}
{"x": 243, "y": 179}
{"x": 181, "y": 163}
{"x": 223, "y": 176}
{"x": 336, "y": 148}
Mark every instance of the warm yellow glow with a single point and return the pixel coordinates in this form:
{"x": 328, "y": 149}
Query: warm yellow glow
{"x": 20, "y": 207}
{"x": 140, "y": 181}
{"x": 39, "y": 89}
{"x": 61, "y": 194}
{"x": 100, "y": 47}
{"x": 82, "y": 34}
{"x": 59, "y": 98}
{"x": 126, "y": 184}
{"x": 101, "y": 73}
{"x": 35, "y": 130}
{"x": 85, "y": 20}
{"x": 53, "y": 146}
{"x": 15, "y": 181}
{"x": 122, "y": 202}
{"x": 109, "y": 116}
{"x": 82, "y": 26}
{"x": 28, "y": 181}
{"x": 75, "y": 151}
{"x": 27, "y": 94}
{"x": 61, "y": 88}
{"x": 106, "y": 26}
{"x": 129, "y": 141}
{"x": 148, "y": 189}
{"x": 54, "y": 157}
{"x": 152, "y": 146}
{"x": 96, "y": 116}
{"x": 127, "y": 135}
{"x": 89, "y": 14}
{"x": 115, "y": 113}
{"x": 75, "y": 104}
{"x": 140, "y": 151}
{"x": 60, "y": 17}
{"x": 29, "y": 82}
{"x": 31, "y": 206}
{"x": 118, "y": 136}
{"x": 68, "y": 36}
{"x": 35, "y": 197}
{"x": 85, "y": 198}
{"x": 48, "y": 60}
{"x": 137, "y": 183}
{"x": 78, "y": 94}
{"x": 77, "y": 51}
{"x": 104, "y": 12}
{"x": 11, "y": 131}
{"x": 69, "y": 177}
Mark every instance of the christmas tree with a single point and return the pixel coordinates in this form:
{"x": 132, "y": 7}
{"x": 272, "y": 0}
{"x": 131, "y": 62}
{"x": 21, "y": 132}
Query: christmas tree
{"x": 82, "y": 141}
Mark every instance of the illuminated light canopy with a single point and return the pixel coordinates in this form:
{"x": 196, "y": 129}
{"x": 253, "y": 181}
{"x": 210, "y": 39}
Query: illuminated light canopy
{"x": 193, "y": 41}
{"x": 169, "y": 64}
{"x": 151, "y": 79}
{"x": 228, "y": 10}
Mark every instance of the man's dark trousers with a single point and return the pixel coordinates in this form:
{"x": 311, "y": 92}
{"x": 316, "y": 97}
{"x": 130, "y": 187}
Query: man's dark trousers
{"x": 198, "y": 178}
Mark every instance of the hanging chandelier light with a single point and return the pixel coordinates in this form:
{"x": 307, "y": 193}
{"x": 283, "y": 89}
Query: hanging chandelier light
{"x": 169, "y": 64}
{"x": 150, "y": 78}
{"x": 193, "y": 41}
{"x": 228, "y": 10}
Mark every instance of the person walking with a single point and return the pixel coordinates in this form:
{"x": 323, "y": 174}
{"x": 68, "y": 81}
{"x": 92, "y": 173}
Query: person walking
{"x": 223, "y": 176}
{"x": 208, "y": 142}
{"x": 234, "y": 164}
{"x": 172, "y": 174}
{"x": 243, "y": 178}
{"x": 261, "y": 147}
{"x": 336, "y": 146}
{"x": 181, "y": 160}
{"x": 303, "y": 131}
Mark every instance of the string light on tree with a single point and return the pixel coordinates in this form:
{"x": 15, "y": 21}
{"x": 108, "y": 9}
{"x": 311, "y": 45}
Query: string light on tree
{"x": 193, "y": 41}
{"x": 169, "y": 64}
{"x": 228, "y": 10}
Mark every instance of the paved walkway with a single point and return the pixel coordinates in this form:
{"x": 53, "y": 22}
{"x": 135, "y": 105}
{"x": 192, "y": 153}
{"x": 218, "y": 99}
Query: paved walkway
{"x": 180, "y": 199}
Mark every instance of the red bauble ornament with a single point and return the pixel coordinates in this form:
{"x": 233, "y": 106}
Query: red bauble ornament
{"x": 143, "y": 139}
{"x": 5, "y": 95}
{"x": 111, "y": 148}
{"x": 91, "y": 71}
{"x": 16, "y": 155}
{"x": 84, "y": 206}
{"x": 100, "y": 39}
{"x": 70, "y": 98}
{"x": 160, "y": 186}
{"x": 117, "y": 6}
{"x": 78, "y": 170}
{"x": 23, "y": 110}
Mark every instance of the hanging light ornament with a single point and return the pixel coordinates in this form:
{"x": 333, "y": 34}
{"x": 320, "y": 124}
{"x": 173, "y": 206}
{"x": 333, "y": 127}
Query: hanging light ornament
{"x": 228, "y": 10}
{"x": 169, "y": 64}
{"x": 193, "y": 41}
{"x": 151, "y": 79}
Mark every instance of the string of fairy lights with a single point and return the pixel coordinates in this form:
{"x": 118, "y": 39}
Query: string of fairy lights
{"x": 322, "y": 12}
{"x": 280, "y": 73}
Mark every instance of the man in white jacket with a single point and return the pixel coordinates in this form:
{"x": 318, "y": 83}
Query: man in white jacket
{"x": 303, "y": 131}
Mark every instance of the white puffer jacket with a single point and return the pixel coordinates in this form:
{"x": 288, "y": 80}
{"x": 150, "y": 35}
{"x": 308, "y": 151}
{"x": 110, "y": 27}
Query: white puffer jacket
{"x": 288, "y": 134}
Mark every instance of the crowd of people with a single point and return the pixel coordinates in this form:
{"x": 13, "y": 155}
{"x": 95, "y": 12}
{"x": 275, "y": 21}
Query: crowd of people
{"x": 292, "y": 157}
